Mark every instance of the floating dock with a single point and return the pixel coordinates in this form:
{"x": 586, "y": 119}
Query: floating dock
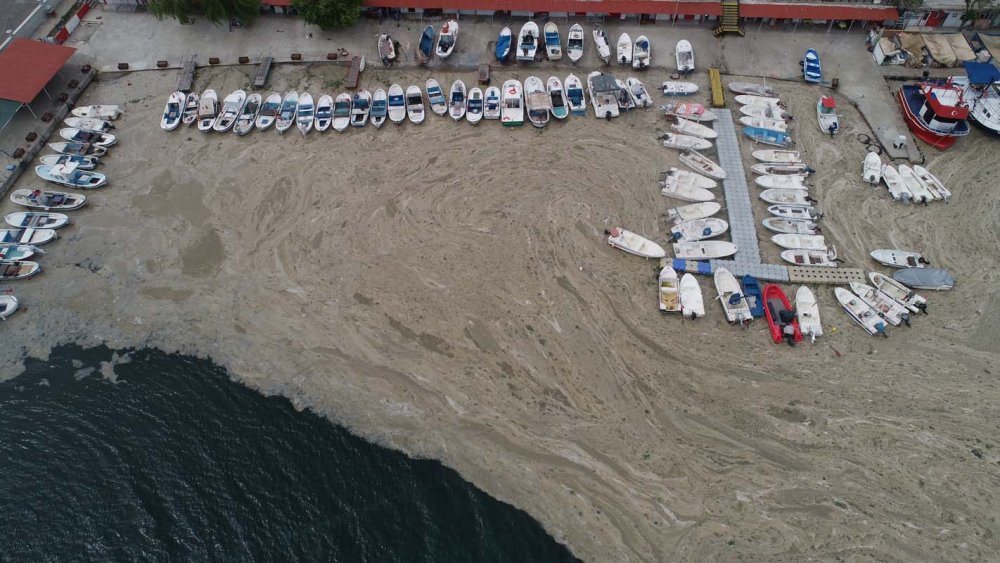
{"x": 185, "y": 77}
{"x": 262, "y": 72}
{"x": 718, "y": 93}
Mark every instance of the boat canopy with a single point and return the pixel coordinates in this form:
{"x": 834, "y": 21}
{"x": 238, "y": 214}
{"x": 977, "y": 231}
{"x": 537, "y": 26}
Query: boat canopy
{"x": 604, "y": 83}
{"x": 982, "y": 74}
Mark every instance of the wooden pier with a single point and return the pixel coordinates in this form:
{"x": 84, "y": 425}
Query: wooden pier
{"x": 185, "y": 77}
{"x": 262, "y": 72}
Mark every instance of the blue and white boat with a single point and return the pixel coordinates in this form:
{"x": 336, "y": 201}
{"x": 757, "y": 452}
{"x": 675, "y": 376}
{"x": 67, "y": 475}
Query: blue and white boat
{"x": 575, "y": 96}
{"x": 503, "y": 44}
{"x": 811, "y": 69}
{"x": 426, "y": 46}
{"x": 767, "y": 136}
{"x": 37, "y": 220}
{"x": 18, "y": 251}
{"x": 68, "y": 175}
{"x": 753, "y": 296}
{"x": 82, "y": 162}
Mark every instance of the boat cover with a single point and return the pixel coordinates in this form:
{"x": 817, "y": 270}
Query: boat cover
{"x": 924, "y": 278}
{"x": 982, "y": 74}
{"x": 963, "y": 52}
{"x": 940, "y": 49}
{"x": 913, "y": 44}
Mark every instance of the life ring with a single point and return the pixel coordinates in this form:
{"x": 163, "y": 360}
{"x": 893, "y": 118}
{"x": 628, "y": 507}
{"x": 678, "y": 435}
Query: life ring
{"x": 512, "y": 91}
{"x": 506, "y": 118}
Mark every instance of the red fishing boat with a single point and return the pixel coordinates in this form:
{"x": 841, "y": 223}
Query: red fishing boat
{"x": 779, "y": 314}
{"x": 935, "y": 111}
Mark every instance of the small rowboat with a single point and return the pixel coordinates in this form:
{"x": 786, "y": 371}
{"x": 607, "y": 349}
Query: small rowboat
{"x": 888, "y": 308}
{"x": 694, "y": 112}
{"x": 98, "y": 125}
{"x": 634, "y": 244}
{"x": 899, "y": 292}
{"x": 676, "y": 175}
{"x": 704, "y": 250}
{"x": 811, "y": 258}
{"x": 693, "y": 211}
{"x": 699, "y": 229}
{"x": 18, "y": 251}
{"x": 104, "y": 140}
{"x": 752, "y": 89}
{"x": 778, "y": 156}
{"x": 767, "y": 136}
{"x": 693, "y": 128}
{"x": 748, "y": 100}
{"x": 790, "y": 226}
{"x": 685, "y": 142}
{"x": 702, "y": 164}
{"x": 78, "y": 149}
{"x": 789, "y": 182}
{"x": 794, "y": 242}
{"x": 899, "y": 258}
{"x": 766, "y": 169}
{"x": 68, "y": 175}
{"x": 765, "y": 123}
{"x": 34, "y": 220}
{"x": 787, "y": 197}
{"x": 765, "y": 112}
{"x": 26, "y": 236}
{"x": 860, "y": 312}
{"x": 106, "y": 112}
{"x": 46, "y": 200}
{"x": 679, "y": 88}
{"x": 12, "y": 270}
{"x": 82, "y": 162}
{"x": 793, "y": 212}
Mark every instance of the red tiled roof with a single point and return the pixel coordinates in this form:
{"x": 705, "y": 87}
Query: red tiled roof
{"x": 27, "y": 66}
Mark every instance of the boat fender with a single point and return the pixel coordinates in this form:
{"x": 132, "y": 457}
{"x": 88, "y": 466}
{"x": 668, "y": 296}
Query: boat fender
{"x": 906, "y": 320}
{"x": 880, "y": 328}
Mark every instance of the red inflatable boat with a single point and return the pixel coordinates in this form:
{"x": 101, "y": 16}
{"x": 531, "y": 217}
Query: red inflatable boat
{"x": 775, "y": 303}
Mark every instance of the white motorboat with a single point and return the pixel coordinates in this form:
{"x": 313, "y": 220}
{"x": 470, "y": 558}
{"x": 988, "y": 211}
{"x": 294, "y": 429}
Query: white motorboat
{"x": 894, "y": 183}
{"x": 790, "y": 226}
{"x": 888, "y": 308}
{"x": 772, "y": 169}
{"x": 397, "y": 103}
{"x": 324, "y": 112}
{"x": 693, "y": 211}
{"x": 787, "y": 197}
{"x": 624, "y": 50}
{"x": 676, "y": 175}
{"x": 794, "y": 212}
{"x": 634, "y": 244}
{"x": 811, "y": 258}
{"x": 248, "y": 115}
{"x": 99, "y": 140}
{"x": 862, "y": 314}
{"x": 603, "y": 44}
{"x": 693, "y": 128}
{"x": 491, "y": 105}
{"x": 268, "y": 112}
{"x": 669, "y": 290}
{"x": 415, "y": 105}
{"x": 931, "y": 183}
{"x": 231, "y": 107}
{"x": 69, "y": 175}
{"x": 208, "y": 110}
{"x": 671, "y": 88}
{"x": 11, "y": 270}
{"x": 685, "y": 142}
{"x": 752, "y": 89}
{"x": 767, "y": 112}
{"x": 734, "y": 304}
{"x": 919, "y": 191}
{"x": 684, "y": 54}
{"x": 106, "y": 112}
{"x": 641, "y": 57}
{"x": 27, "y": 237}
{"x": 46, "y": 200}
{"x": 447, "y": 39}
{"x": 872, "y": 169}
{"x": 435, "y": 97}
{"x": 625, "y": 100}
{"x": 694, "y": 112}
{"x": 36, "y": 220}
{"x": 778, "y": 156}
{"x": 748, "y": 100}
{"x": 765, "y": 123}
{"x": 456, "y": 100}
{"x": 575, "y": 96}
{"x": 703, "y": 165}
{"x": 699, "y": 229}
{"x": 826, "y": 115}
{"x": 639, "y": 92}
{"x": 899, "y": 258}
{"x": 604, "y": 93}
{"x": 692, "y": 302}
{"x": 553, "y": 44}
{"x": 686, "y": 192}
{"x": 557, "y": 97}
{"x": 795, "y": 242}
{"x": 386, "y": 49}
{"x": 704, "y": 250}
{"x": 474, "y": 106}
{"x": 172, "y": 112}
{"x": 286, "y": 113}
{"x": 537, "y": 101}
{"x": 574, "y": 43}
{"x": 788, "y": 182}
{"x": 101, "y": 126}
{"x": 512, "y": 108}
{"x": 190, "y": 114}
{"x": 807, "y": 313}
{"x": 902, "y": 294}
{"x": 361, "y": 107}
{"x": 342, "y": 112}
{"x": 82, "y": 162}
{"x": 527, "y": 42}
{"x": 305, "y": 114}
{"x": 8, "y": 306}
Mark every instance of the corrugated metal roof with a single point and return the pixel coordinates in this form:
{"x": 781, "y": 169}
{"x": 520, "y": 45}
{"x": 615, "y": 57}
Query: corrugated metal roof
{"x": 27, "y": 66}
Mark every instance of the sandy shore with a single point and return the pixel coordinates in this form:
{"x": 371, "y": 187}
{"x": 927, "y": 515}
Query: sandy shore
{"x": 447, "y": 290}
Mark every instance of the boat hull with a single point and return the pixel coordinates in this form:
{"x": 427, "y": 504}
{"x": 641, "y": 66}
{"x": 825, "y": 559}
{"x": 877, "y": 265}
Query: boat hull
{"x": 925, "y": 134}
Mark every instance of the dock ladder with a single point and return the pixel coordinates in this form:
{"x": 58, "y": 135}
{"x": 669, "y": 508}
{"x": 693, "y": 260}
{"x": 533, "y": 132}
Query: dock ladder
{"x": 730, "y": 21}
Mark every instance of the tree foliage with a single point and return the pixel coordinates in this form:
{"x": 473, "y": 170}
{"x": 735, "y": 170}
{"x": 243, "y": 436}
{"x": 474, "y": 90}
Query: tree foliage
{"x": 329, "y": 14}
{"x": 215, "y": 11}
{"x": 974, "y": 7}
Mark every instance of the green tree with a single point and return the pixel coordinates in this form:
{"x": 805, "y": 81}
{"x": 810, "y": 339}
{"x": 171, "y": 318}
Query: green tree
{"x": 215, "y": 11}
{"x": 329, "y": 14}
{"x": 974, "y": 7}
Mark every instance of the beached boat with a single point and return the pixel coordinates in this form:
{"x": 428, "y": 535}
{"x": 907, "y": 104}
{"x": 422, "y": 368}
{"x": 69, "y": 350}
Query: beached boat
{"x": 767, "y": 136}
{"x": 862, "y": 314}
{"x": 553, "y": 43}
{"x": 624, "y": 51}
{"x": 749, "y": 100}
{"x": 778, "y": 156}
{"x": 765, "y": 112}
{"x": 692, "y": 301}
{"x": 447, "y": 39}
{"x": 753, "y": 295}
{"x": 268, "y": 112}
{"x": 18, "y": 251}
{"x": 699, "y": 229}
{"x": 790, "y": 226}
{"x": 639, "y": 93}
{"x": 693, "y": 211}
{"x": 931, "y": 183}
{"x": 231, "y": 107}
{"x": 604, "y": 93}
{"x": 694, "y": 112}
{"x": 902, "y": 294}
{"x": 702, "y": 164}
{"x": 305, "y": 113}
{"x": 101, "y": 126}
{"x": 676, "y": 175}
{"x": 686, "y": 192}
{"x": 641, "y": 53}
{"x": 27, "y": 236}
{"x": 102, "y": 140}
{"x": 784, "y": 182}
{"x": 380, "y": 107}
{"x": 324, "y": 112}
{"x": 248, "y": 115}
{"x": 794, "y": 212}
{"x": 669, "y": 290}
{"x": 671, "y": 88}
{"x": 537, "y": 101}
{"x": 361, "y": 108}
{"x": 915, "y": 186}
{"x": 557, "y": 97}
{"x": 764, "y": 123}
{"x": 779, "y": 314}
{"x": 787, "y": 197}
{"x": 106, "y": 112}
{"x": 13, "y": 270}
{"x": 172, "y": 112}
{"x": 342, "y": 112}
{"x": 925, "y": 278}
{"x": 685, "y": 142}
{"x": 512, "y": 107}
{"x": 812, "y": 70}
{"x": 474, "y": 106}
{"x": 502, "y": 49}
{"x": 634, "y": 244}
{"x": 425, "y": 46}
{"x": 795, "y": 242}
{"x": 415, "y": 105}
{"x": 456, "y": 100}
{"x": 704, "y": 250}
{"x": 811, "y": 258}
{"x": 603, "y": 44}
{"x": 734, "y": 304}
{"x": 575, "y": 97}
{"x": 286, "y": 113}
{"x": 894, "y": 183}
{"x": 826, "y": 115}
{"x": 625, "y": 100}
{"x": 386, "y": 49}
{"x": 752, "y": 89}
{"x": 781, "y": 169}
{"x": 888, "y": 308}
{"x": 435, "y": 96}
{"x": 936, "y": 111}
{"x": 688, "y": 127}
{"x": 527, "y": 42}
{"x": 69, "y": 175}
{"x": 78, "y": 149}
{"x": 684, "y": 54}
{"x": 37, "y": 220}
{"x": 190, "y": 114}
{"x": 574, "y": 43}
{"x": 872, "y": 169}
{"x": 46, "y": 200}
{"x": 81, "y": 162}
{"x": 807, "y": 313}
{"x": 491, "y": 104}
{"x": 899, "y": 258}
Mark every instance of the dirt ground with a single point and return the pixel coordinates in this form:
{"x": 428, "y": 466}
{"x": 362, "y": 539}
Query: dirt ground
{"x": 447, "y": 290}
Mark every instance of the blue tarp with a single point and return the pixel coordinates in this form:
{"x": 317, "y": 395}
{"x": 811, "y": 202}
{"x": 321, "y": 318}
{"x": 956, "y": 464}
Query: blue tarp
{"x": 982, "y": 73}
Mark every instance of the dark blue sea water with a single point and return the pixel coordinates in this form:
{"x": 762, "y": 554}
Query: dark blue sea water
{"x": 175, "y": 462}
